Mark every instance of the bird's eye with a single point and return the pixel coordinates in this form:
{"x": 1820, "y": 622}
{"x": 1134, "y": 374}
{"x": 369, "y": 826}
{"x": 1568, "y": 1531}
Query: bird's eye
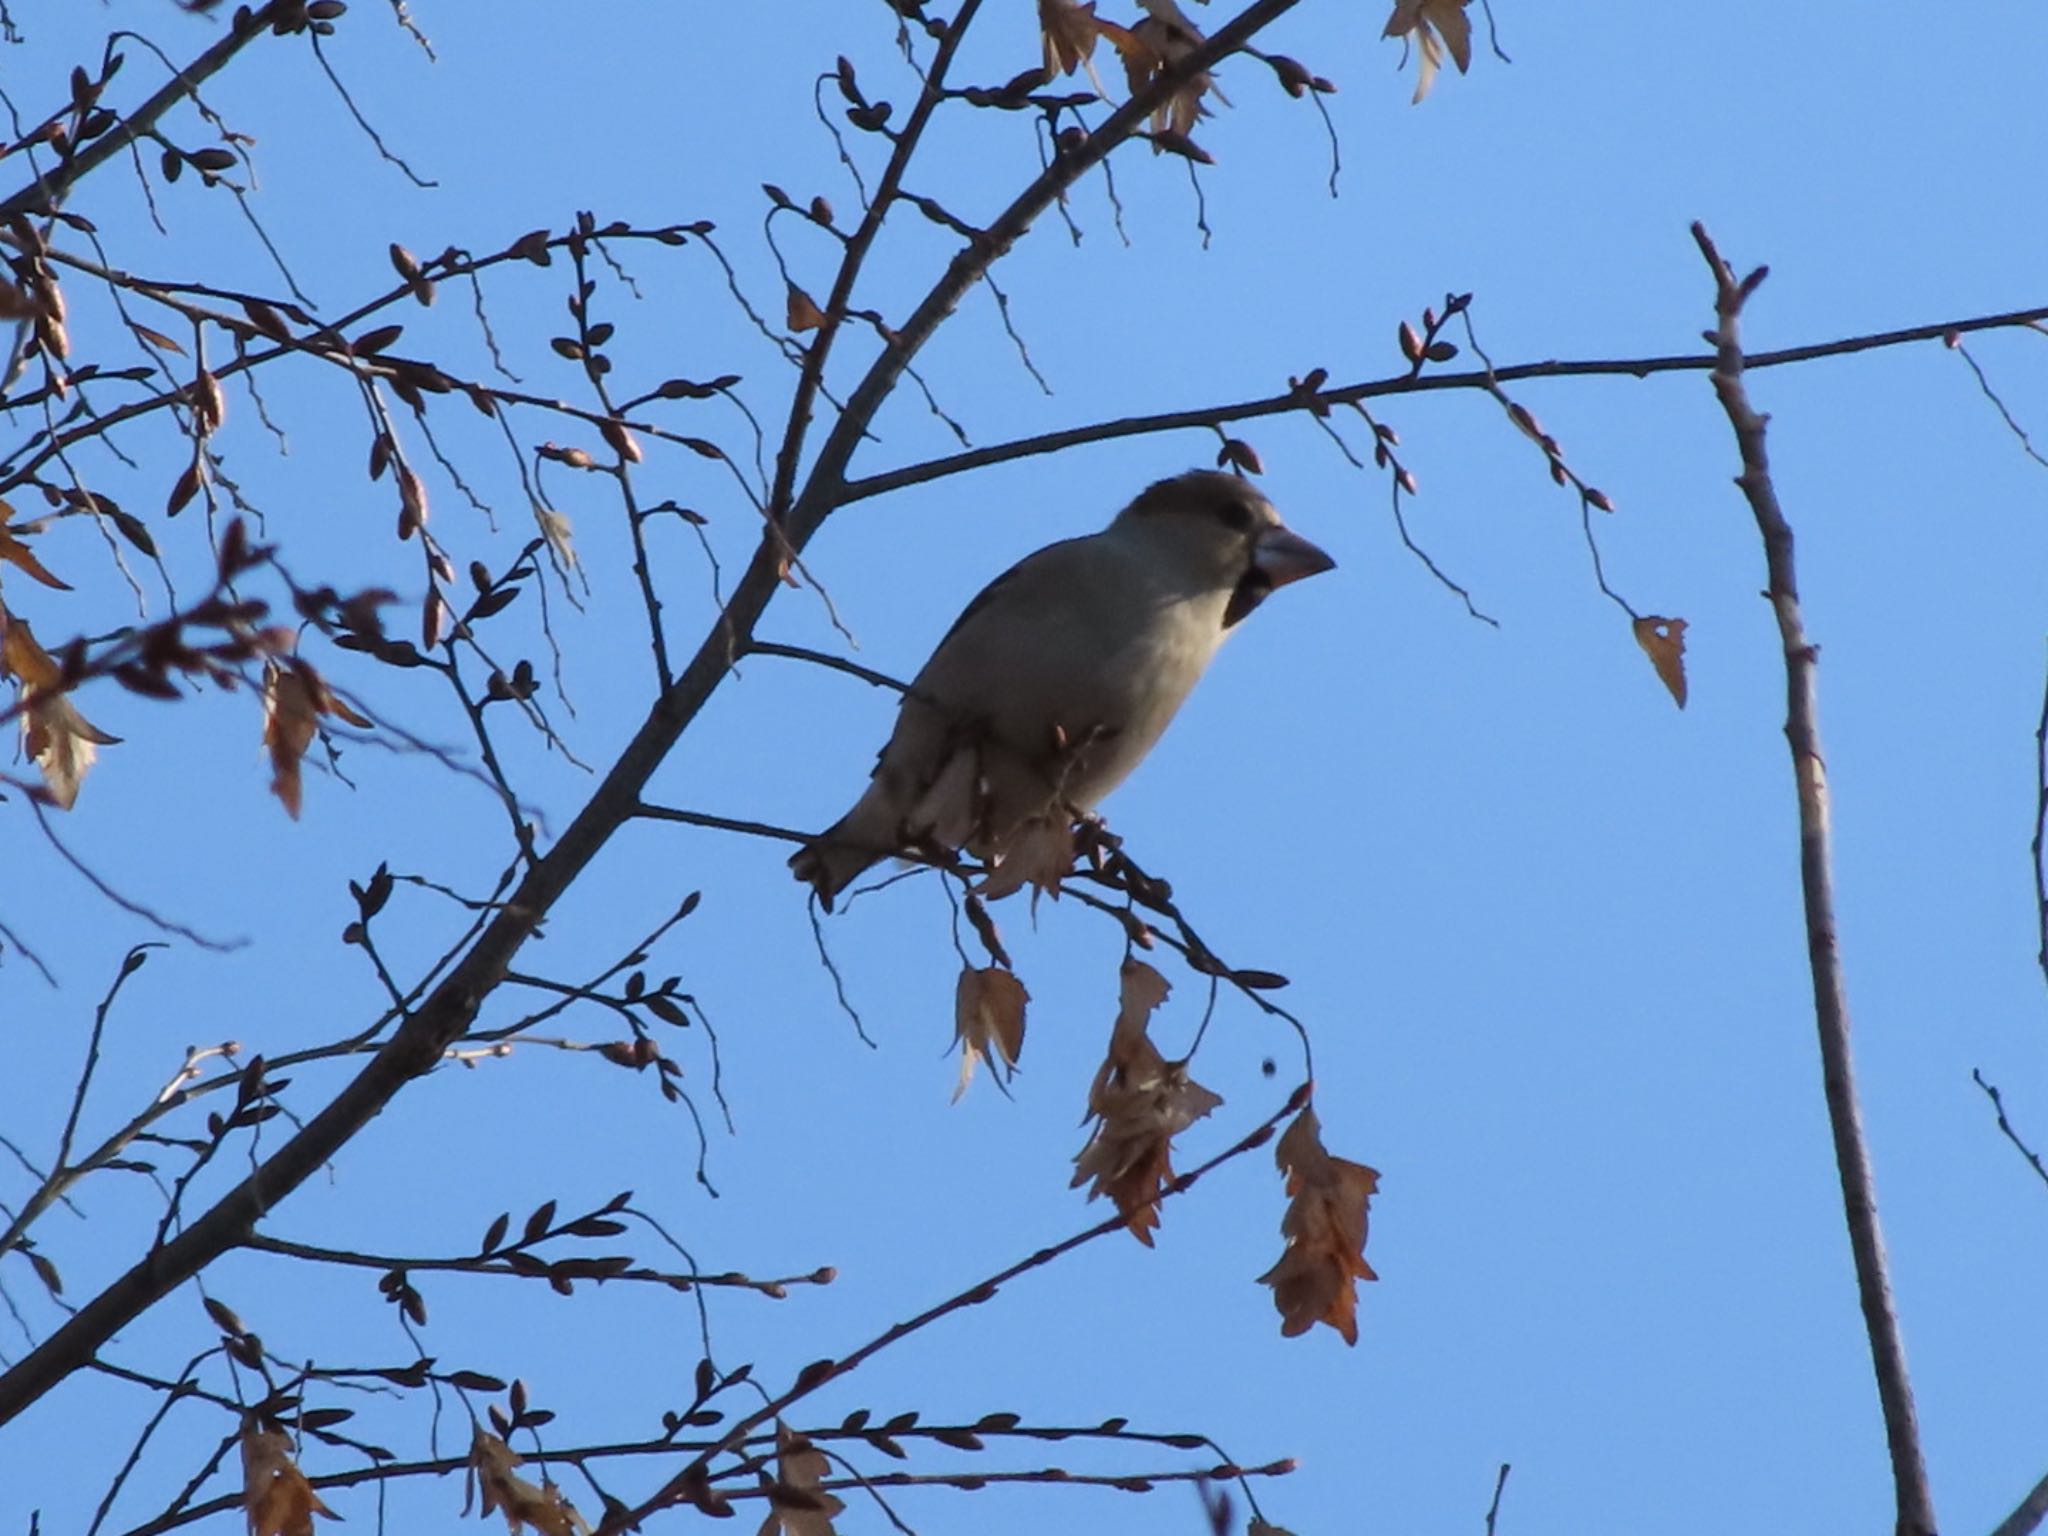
{"x": 1236, "y": 515}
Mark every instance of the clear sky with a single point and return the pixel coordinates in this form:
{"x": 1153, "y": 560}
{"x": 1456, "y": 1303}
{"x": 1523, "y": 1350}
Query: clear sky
{"x": 1543, "y": 927}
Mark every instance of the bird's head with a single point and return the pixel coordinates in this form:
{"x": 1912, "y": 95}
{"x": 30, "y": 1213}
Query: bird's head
{"x": 1218, "y": 531}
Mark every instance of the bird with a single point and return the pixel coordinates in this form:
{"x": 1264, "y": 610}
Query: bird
{"x": 1057, "y": 679}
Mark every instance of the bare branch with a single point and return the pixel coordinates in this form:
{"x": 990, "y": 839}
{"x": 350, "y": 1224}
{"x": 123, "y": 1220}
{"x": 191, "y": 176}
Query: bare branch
{"x": 1915, "y": 1503}
{"x": 1409, "y": 383}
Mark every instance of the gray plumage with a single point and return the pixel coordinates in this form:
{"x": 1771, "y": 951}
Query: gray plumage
{"x": 1056, "y": 681}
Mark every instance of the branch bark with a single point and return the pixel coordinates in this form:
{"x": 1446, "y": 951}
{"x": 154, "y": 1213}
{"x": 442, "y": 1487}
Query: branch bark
{"x": 46, "y": 192}
{"x": 1914, "y": 1501}
{"x": 448, "y": 1011}
{"x": 1409, "y": 382}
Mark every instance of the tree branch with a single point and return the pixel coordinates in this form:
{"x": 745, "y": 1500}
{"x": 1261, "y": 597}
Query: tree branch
{"x": 1915, "y": 1502}
{"x": 417, "y": 1045}
{"x": 2026, "y": 1518}
{"x": 45, "y": 192}
{"x": 1408, "y": 382}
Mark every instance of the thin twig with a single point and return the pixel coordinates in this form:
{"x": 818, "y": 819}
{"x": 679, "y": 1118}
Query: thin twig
{"x": 1500, "y": 1483}
{"x": 2041, "y": 831}
{"x": 2005, "y": 1125}
{"x": 816, "y": 1375}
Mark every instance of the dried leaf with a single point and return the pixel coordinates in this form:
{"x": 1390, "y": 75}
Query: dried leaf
{"x": 1038, "y": 854}
{"x": 1431, "y": 26}
{"x": 185, "y": 488}
{"x": 156, "y": 338}
{"x": 412, "y": 502}
{"x": 1070, "y": 30}
{"x": 988, "y": 1022}
{"x": 555, "y": 528}
{"x": 294, "y": 698}
{"x": 290, "y": 721}
{"x": 1663, "y": 641}
{"x": 623, "y": 443}
{"x": 804, "y": 314}
{"x": 522, "y": 1503}
{"x": 797, "y": 1505}
{"x": 1160, "y": 40}
{"x": 16, "y": 553}
{"x": 61, "y": 742}
{"x": 1139, "y": 1101}
{"x": 1325, "y": 1226}
{"x": 275, "y": 1494}
{"x": 209, "y": 404}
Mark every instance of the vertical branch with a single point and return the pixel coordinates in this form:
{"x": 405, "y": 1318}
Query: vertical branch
{"x": 1830, "y": 997}
{"x": 812, "y": 378}
{"x": 2040, "y": 845}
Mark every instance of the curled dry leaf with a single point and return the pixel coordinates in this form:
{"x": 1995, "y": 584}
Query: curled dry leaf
{"x": 1038, "y": 854}
{"x": 797, "y": 1505}
{"x": 1663, "y": 641}
{"x": 1325, "y": 1224}
{"x": 988, "y": 1022}
{"x": 17, "y": 553}
{"x": 294, "y": 698}
{"x": 61, "y": 742}
{"x": 804, "y": 314}
{"x": 522, "y": 1503}
{"x": 1070, "y": 30}
{"x": 1433, "y": 26}
{"x": 1139, "y": 1102}
{"x": 1160, "y": 40}
{"x": 275, "y": 1494}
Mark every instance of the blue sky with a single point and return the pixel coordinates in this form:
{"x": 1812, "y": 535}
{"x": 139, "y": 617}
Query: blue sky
{"x": 1543, "y": 927}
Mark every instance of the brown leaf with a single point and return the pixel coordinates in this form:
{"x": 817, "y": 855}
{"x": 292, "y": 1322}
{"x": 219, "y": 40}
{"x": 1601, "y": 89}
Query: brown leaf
{"x": 1158, "y": 41}
{"x": 623, "y": 443}
{"x": 14, "y": 552}
{"x": 1070, "y": 31}
{"x": 1432, "y": 26}
{"x": 294, "y": 698}
{"x": 61, "y": 742}
{"x": 156, "y": 338}
{"x": 988, "y": 1022}
{"x": 797, "y": 1506}
{"x": 209, "y": 404}
{"x": 1663, "y": 641}
{"x": 522, "y": 1503}
{"x": 804, "y": 314}
{"x": 1325, "y": 1225}
{"x": 412, "y": 502}
{"x": 182, "y": 492}
{"x": 275, "y": 1494}
{"x": 1139, "y": 1101}
{"x": 290, "y": 720}
{"x": 1038, "y": 854}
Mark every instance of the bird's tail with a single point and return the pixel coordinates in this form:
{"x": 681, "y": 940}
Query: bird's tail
{"x": 863, "y": 837}
{"x": 829, "y": 866}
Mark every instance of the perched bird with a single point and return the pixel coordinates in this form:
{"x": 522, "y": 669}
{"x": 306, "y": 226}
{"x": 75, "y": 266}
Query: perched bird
{"x": 1056, "y": 680}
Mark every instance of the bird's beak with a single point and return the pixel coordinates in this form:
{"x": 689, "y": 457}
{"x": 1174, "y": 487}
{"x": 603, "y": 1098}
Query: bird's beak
{"x": 1283, "y": 555}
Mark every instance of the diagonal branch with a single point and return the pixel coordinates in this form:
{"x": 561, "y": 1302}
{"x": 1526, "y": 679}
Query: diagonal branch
{"x": 417, "y": 1045}
{"x": 45, "y": 192}
{"x": 1830, "y": 994}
